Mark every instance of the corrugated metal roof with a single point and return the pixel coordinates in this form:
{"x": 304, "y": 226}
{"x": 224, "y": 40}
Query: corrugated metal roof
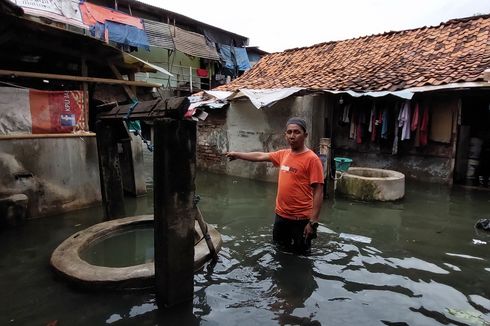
{"x": 193, "y": 44}
{"x": 159, "y": 34}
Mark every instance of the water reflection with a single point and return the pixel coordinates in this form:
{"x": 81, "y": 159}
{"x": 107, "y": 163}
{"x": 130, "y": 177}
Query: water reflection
{"x": 421, "y": 265}
{"x": 293, "y": 281}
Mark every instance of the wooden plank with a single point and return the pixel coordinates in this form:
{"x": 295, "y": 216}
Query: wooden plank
{"x": 42, "y": 136}
{"x": 77, "y": 78}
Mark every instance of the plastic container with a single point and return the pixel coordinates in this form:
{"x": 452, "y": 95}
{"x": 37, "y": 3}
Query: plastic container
{"x": 475, "y": 148}
{"x": 342, "y": 164}
{"x": 471, "y": 170}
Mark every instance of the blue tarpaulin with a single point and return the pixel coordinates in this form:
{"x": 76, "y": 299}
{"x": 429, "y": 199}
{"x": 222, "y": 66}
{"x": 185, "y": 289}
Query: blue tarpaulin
{"x": 121, "y": 33}
{"x": 127, "y": 34}
{"x": 233, "y": 57}
{"x": 242, "y": 61}
{"x": 226, "y": 56}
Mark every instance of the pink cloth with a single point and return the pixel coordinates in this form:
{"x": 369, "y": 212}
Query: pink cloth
{"x": 415, "y": 117}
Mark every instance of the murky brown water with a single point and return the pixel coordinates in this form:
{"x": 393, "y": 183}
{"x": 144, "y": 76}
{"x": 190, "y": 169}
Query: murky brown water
{"x": 415, "y": 262}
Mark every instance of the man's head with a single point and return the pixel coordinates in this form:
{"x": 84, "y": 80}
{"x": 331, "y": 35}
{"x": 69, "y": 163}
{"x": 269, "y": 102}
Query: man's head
{"x": 296, "y": 133}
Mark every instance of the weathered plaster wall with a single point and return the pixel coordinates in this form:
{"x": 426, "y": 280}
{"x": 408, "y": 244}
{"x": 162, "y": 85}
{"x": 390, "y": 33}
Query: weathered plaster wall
{"x": 57, "y": 174}
{"x": 251, "y": 129}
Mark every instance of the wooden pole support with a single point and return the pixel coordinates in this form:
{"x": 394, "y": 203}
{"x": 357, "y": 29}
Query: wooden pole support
{"x": 110, "y": 175}
{"x": 174, "y": 166}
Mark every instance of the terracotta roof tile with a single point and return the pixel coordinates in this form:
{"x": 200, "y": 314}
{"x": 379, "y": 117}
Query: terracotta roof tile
{"x": 454, "y": 51}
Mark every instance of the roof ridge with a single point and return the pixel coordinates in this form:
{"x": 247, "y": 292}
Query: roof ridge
{"x": 445, "y": 23}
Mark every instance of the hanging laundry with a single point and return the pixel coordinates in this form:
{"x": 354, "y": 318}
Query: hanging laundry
{"x": 359, "y": 129}
{"x": 404, "y": 120}
{"x": 415, "y": 117}
{"x": 394, "y": 150}
{"x": 345, "y": 113}
{"x": 352, "y": 131}
{"x": 113, "y": 25}
{"x": 424, "y": 125}
{"x": 384, "y": 125}
{"x": 203, "y": 73}
{"x": 377, "y": 123}
{"x": 371, "y": 118}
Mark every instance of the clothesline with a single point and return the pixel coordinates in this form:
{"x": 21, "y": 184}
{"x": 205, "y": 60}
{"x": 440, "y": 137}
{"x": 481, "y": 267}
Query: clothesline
{"x": 408, "y": 120}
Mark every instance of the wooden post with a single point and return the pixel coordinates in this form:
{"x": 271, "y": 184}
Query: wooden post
{"x": 110, "y": 174}
{"x": 325, "y": 149}
{"x": 85, "y": 93}
{"x": 174, "y": 188}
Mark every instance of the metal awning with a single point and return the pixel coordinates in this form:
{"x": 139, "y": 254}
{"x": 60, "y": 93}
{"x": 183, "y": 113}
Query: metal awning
{"x": 193, "y": 44}
{"x": 143, "y": 65}
{"x": 159, "y": 34}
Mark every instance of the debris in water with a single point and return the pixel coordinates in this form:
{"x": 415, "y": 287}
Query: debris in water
{"x": 355, "y": 237}
{"x": 471, "y": 317}
{"x": 479, "y": 242}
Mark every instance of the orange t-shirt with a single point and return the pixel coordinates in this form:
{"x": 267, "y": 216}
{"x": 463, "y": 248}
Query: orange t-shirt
{"x": 296, "y": 175}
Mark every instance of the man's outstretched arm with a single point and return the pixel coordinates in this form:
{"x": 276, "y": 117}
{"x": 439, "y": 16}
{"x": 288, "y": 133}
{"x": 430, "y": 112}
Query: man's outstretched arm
{"x": 249, "y": 156}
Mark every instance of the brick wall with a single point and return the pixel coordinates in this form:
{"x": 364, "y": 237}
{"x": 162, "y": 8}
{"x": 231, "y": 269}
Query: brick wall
{"x": 212, "y": 142}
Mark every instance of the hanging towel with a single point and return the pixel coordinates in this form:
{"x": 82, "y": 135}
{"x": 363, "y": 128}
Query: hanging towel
{"x": 345, "y": 114}
{"x": 371, "y": 118}
{"x": 424, "y": 126}
{"x": 359, "y": 129}
{"x": 394, "y": 150}
{"x": 352, "y": 131}
{"x": 404, "y": 121}
{"x": 203, "y": 73}
{"x": 384, "y": 125}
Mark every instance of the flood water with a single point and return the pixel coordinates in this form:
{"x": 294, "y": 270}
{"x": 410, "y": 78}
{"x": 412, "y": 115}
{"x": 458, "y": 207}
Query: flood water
{"x": 414, "y": 262}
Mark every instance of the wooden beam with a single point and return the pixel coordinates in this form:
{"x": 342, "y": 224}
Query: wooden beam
{"x": 174, "y": 213}
{"x": 77, "y": 78}
{"x": 118, "y": 75}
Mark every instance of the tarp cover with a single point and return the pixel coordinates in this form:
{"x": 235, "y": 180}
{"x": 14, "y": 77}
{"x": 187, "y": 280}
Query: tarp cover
{"x": 242, "y": 61}
{"x": 226, "y": 56}
{"x": 265, "y": 97}
{"x": 233, "y": 57}
{"x": 39, "y": 112}
{"x": 115, "y": 26}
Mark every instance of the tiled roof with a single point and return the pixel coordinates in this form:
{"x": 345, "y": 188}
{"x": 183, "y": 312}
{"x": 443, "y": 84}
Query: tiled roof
{"x": 455, "y": 51}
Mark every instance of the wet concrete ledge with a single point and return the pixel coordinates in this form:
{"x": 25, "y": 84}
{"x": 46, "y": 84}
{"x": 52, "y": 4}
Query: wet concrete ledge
{"x": 67, "y": 262}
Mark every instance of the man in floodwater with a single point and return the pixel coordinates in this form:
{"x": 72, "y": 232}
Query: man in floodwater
{"x": 299, "y": 190}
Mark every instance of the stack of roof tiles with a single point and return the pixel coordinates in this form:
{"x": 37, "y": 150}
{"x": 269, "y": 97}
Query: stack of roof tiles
{"x": 455, "y": 51}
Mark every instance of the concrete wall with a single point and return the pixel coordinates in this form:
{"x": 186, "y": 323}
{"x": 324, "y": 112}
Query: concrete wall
{"x": 243, "y": 127}
{"x": 57, "y": 174}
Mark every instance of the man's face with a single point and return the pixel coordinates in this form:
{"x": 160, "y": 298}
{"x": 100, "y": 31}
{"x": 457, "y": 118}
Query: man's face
{"x": 295, "y": 136}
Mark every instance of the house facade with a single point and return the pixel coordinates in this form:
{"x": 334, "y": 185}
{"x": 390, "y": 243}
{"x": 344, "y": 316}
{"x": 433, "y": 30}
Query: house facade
{"x": 65, "y": 62}
{"x": 414, "y": 101}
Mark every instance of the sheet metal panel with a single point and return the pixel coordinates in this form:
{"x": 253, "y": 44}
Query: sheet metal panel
{"x": 193, "y": 44}
{"x": 159, "y": 34}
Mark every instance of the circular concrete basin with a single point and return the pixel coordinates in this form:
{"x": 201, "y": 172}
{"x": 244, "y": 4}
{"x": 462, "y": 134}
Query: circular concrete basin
{"x": 372, "y": 184}
{"x": 67, "y": 261}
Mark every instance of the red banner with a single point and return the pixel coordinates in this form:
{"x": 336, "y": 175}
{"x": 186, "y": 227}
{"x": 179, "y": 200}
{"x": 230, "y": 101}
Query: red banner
{"x": 57, "y": 111}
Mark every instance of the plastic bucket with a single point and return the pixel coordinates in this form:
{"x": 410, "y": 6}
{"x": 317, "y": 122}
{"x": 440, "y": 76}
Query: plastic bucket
{"x": 342, "y": 164}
